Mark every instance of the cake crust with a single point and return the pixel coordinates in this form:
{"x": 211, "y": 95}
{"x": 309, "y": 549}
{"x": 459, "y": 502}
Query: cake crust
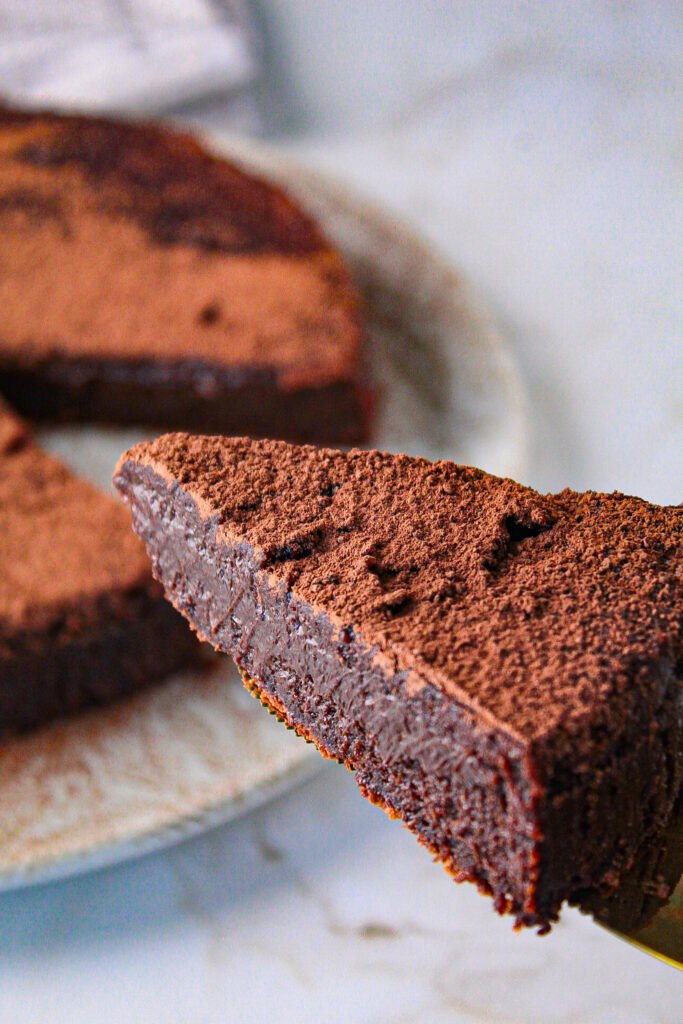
{"x": 501, "y": 668}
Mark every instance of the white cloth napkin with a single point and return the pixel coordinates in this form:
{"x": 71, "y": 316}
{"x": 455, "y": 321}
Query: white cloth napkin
{"x": 142, "y": 56}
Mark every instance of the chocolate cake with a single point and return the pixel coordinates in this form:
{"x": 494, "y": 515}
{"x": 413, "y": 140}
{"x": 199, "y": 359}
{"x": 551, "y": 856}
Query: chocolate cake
{"x": 81, "y": 619}
{"x": 143, "y": 280}
{"x": 502, "y": 669}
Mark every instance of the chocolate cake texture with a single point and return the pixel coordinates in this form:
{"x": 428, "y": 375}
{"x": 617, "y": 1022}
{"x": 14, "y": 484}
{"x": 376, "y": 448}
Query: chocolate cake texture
{"x": 501, "y": 668}
{"x": 81, "y": 619}
{"x": 143, "y": 280}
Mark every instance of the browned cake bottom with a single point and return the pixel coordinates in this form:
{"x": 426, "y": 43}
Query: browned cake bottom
{"x": 189, "y": 395}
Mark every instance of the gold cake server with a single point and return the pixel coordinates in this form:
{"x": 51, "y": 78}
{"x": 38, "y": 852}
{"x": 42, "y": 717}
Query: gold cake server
{"x": 647, "y": 909}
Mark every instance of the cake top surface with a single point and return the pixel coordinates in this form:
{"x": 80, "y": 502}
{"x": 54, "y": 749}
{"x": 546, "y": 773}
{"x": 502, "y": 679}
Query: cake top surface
{"x": 66, "y": 550}
{"x": 177, "y": 255}
{"x": 537, "y": 610}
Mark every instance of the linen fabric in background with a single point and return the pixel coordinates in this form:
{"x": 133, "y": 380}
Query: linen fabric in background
{"x": 137, "y": 56}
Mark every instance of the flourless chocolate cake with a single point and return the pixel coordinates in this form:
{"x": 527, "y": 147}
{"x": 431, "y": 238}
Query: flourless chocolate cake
{"x": 143, "y": 280}
{"x": 502, "y": 669}
{"x": 81, "y": 619}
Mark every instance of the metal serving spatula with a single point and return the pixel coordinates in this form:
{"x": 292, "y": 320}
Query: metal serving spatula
{"x": 647, "y": 910}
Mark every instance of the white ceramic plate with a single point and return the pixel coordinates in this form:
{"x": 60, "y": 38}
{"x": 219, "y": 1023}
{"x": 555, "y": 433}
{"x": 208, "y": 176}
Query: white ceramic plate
{"x": 196, "y": 751}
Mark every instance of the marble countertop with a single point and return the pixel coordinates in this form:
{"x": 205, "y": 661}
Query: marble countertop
{"x": 544, "y": 159}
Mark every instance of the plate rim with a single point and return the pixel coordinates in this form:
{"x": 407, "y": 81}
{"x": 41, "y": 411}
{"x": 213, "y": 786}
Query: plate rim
{"x": 154, "y": 838}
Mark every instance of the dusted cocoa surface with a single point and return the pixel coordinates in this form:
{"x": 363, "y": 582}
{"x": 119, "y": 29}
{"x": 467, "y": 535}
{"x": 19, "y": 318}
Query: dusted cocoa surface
{"x": 136, "y": 269}
{"x": 544, "y": 598}
{"x": 61, "y": 539}
{"x": 165, "y": 181}
{"x": 81, "y": 620}
{"x": 501, "y": 668}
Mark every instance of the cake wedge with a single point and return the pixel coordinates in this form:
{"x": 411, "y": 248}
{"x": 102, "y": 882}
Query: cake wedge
{"x": 145, "y": 280}
{"x": 81, "y": 619}
{"x": 500, "y": 668}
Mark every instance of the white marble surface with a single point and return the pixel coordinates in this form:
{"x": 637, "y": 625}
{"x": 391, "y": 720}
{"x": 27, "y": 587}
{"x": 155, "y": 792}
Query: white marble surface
{"x": 541, "y": 149}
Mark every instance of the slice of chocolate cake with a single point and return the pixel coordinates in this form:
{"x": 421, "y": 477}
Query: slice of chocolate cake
{"x": 81, "y": 619}
{"x": 143, "y": 280}
{"x": 502, "y": 669}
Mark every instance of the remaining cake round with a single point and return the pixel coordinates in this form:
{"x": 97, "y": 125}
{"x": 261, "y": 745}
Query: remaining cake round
{"x": 144, "y": 280}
